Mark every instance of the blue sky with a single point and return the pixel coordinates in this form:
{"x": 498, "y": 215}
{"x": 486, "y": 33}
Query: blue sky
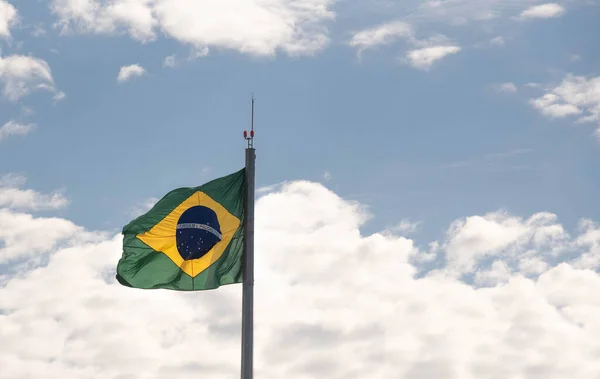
{"x": 392, "y": 136}
{"x": 427, "y": 170}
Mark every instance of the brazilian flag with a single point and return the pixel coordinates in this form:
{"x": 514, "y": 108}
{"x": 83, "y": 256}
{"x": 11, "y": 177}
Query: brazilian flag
{"x": 191, "y": 240}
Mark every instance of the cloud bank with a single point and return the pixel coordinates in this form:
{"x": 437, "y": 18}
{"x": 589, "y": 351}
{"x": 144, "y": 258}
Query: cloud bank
{"x": 331, "y": 302}
{"x": 255, "y": 27}
{"x": 14, "y": 197}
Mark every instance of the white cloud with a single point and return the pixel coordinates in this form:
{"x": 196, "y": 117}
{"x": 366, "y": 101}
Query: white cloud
{"x": 455, "y": 12}
{"x": 26, "y": 237}
{"x": 548, "y": 10}
{"x": 497, "y": 41}
{"x": 12, "y": 180}
{"x": 201, "y": 52}
{"x": 8, "y": 17}
{"x": 589, "y": 241}
{"x": 498, "y": 273}
{"x": 13, "y": 197}
{"x": 13, "y": 128}
{"x": 424, "y": 58}
{"x": 21, "y": 75}
{"x": 102, "y": 17}
{"x": 506, "y": 87}
{"x": 59, "y": 96}
{"x": 255, "y": 27}
{"x": 130, "y": 71}
{"x": 405, "y": 227}
{"x": 533, "y": 265}
{"x": 473, "y": 239}
{"x": 384, "y": 34}
{"x": 575, "y": 95}
{"x": 549, "y": 106}
{"x": 170, "y": 61}
{"x": 327, "y": 299}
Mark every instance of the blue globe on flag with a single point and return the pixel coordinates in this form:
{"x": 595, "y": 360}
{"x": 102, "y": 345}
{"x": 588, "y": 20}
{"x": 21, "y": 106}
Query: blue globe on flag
{"x": 198, "y": 231}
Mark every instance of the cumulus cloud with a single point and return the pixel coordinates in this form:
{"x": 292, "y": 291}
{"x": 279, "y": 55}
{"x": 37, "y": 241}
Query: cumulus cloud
{"x": 27, "y": 237}
{"x": 13, "y": 197}
{"x": 128, "y": 72}
{"x": 133, "y": 16}
{"x": 550, "y": 105}
{"x": 8, "y": 17}
{"x": 12, "y": 128}
{"x": 330, "y": 303}
{"x": 254, "y": 27}
{"x": 589, "y": 241}
{"x": 384, "y": 34}
{"x": 575, "y": 95}
{"x": 472, "y": 240}
{"x": 21, "y": 75}
{"x": 548, "y": 10}
{"x": 424, "y": 58}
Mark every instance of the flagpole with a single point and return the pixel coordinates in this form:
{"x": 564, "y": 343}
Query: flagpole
{"x": 248, "y": 262}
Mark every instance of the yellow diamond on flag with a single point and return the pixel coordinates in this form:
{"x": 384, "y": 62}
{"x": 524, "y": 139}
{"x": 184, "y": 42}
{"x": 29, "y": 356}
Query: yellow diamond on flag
{"x": 194, "y": 235}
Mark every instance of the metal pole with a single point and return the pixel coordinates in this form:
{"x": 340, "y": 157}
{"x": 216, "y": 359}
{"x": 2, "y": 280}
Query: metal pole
{"x": 248, "y": 270}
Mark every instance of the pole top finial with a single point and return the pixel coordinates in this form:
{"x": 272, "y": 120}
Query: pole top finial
{"x": 250, "y": 138}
